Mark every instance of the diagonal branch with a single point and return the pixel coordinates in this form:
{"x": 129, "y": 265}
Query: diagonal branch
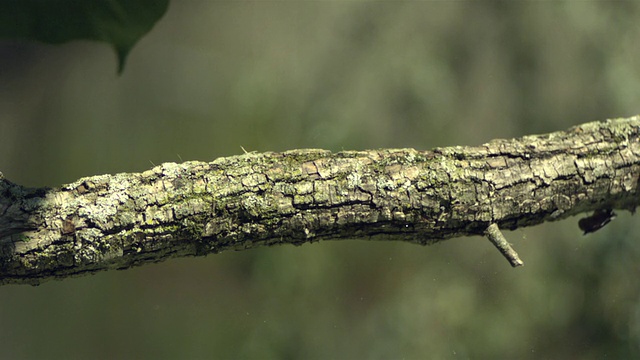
{"x": 239, "y": 202}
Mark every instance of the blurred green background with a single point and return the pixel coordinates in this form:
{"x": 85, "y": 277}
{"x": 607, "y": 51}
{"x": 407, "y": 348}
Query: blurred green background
{"x": 213, "y": 76}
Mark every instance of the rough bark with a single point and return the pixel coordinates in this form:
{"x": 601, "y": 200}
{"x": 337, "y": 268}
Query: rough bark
{"x": 239, "y": 202}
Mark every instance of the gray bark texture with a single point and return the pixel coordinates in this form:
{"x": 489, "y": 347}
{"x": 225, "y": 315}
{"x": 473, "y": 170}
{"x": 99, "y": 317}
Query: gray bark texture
{"x": 256, "y": 199}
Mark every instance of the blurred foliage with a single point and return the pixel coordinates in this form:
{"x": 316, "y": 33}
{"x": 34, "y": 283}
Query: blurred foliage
{"x": 120, "y": 23}
{"x": 214, "y": 75}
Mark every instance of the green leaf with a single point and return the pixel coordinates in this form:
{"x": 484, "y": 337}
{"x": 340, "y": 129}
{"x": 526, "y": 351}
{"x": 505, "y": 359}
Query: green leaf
{"x": 120, "y": 23}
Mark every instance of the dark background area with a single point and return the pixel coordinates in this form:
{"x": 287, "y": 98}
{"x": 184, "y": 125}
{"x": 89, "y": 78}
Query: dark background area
{"x": 213, "y": 76}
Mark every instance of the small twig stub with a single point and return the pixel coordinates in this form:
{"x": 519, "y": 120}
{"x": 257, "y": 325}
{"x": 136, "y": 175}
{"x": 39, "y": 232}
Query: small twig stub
{"x": 495, "y": 236}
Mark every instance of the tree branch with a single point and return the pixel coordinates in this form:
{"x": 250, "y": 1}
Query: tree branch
{"x": 239, "y": 202}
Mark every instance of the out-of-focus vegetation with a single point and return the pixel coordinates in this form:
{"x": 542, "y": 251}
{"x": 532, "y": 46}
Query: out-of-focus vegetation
{"x": 120, "y": 23}
{"x": 214, "y": 76}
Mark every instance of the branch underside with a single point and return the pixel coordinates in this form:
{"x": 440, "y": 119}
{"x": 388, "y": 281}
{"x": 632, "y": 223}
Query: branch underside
{"x": 239, "y": 202}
